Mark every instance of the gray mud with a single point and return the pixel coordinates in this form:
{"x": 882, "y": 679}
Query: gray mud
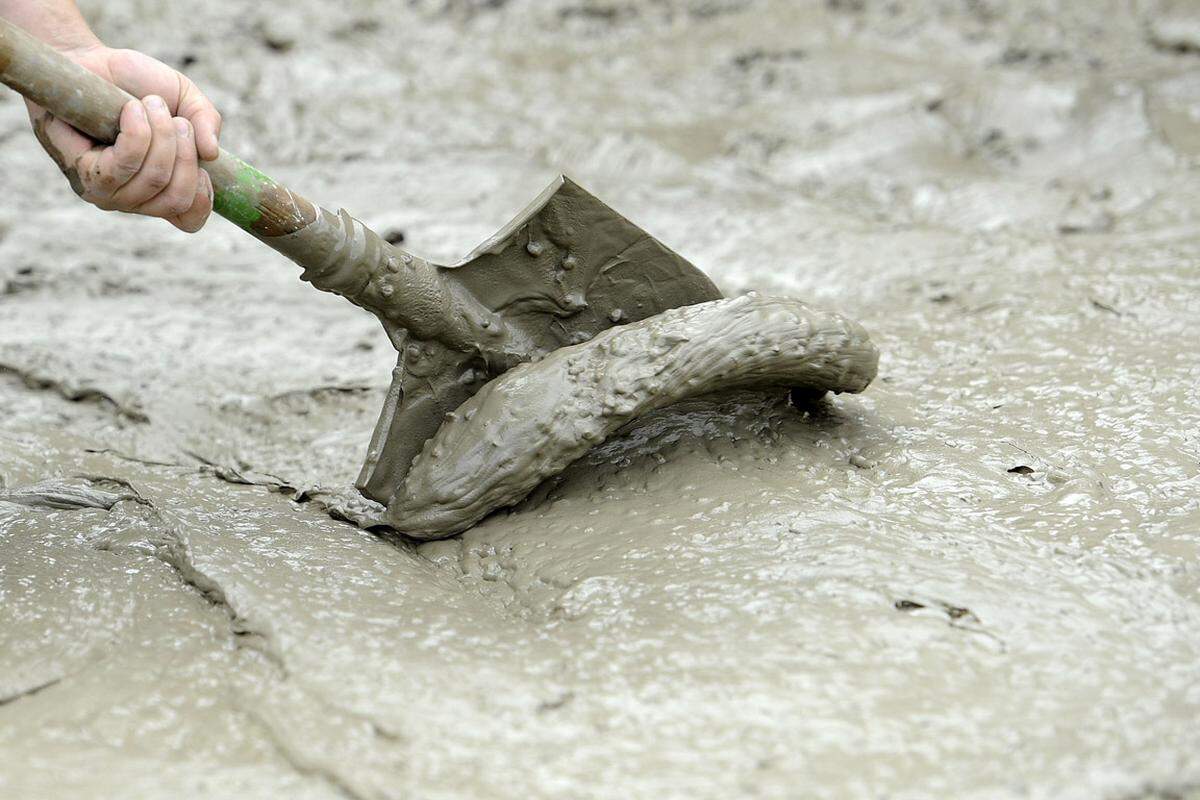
{"x": 531, "y": 422}
{"x": 978, "y": 579}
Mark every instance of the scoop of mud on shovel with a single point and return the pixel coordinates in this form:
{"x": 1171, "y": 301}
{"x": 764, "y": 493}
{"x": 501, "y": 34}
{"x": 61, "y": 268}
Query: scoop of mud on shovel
{"x": 564, "y": 269}
{"x": 534, "y": 420}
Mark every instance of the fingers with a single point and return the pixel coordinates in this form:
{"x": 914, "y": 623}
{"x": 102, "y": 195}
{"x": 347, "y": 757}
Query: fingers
{"x": 206, "y": 120}
{"x": 153, "y": 166}
{"x": 157, "y": 167}
{"x": 186, "y": 200}
{"x": 151, "y": 169}
{"x": 178, "y": 195}
{"x": 194, "y": 218}
{"x": 110, "y": 169}
{"x": 141, "y": 75}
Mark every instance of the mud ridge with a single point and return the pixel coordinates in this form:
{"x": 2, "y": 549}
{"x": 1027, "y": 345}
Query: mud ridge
{"x": 291, "y": 696}
{"x": 343, "y": 505}
{"x": 169, "y": 545}
{"x": 303, "y": 765}
{"x": 88, "y": 492}
{"x": 173, "y": 550}
{"x": 76, "y": 392}
{"x": 12, "y": 698}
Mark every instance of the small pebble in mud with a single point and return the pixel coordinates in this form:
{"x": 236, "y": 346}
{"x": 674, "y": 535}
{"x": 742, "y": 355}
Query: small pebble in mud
{"x": 616, "y": 315}
{"x": 535, "y": 248}
{"x": 569, "y": 263}
{"x": 861, "y": 461}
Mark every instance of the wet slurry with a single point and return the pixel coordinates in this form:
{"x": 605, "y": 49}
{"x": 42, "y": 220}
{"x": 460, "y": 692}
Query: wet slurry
{"x": 976, "y": 579}
{"x": 532, "y": 422}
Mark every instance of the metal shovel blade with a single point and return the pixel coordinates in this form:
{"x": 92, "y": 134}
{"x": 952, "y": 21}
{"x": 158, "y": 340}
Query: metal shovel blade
{"x": 566, "y": 268}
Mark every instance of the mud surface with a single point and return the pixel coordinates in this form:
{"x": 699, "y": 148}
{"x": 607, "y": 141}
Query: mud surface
{"x": 978, "y": 579}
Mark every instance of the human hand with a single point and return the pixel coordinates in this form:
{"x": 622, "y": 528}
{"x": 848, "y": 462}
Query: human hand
{"x": 153, "y": 167}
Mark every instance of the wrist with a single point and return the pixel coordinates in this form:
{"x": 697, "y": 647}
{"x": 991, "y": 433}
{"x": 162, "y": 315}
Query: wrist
{"x": 76, "y": 45}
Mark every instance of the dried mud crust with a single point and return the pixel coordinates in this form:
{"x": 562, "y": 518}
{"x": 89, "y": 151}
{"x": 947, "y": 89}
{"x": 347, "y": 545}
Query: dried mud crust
{"x": 533, "y": 421}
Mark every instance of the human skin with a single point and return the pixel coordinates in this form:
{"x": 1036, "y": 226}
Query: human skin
{"x": 153, "y": 168}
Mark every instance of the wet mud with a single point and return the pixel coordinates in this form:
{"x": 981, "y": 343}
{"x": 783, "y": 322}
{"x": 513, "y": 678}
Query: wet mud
{"x": 978, "y": 578}
{"x": 534, "y": 420}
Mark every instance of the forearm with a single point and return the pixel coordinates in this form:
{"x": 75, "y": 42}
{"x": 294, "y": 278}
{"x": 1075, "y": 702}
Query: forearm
{"x": 56, "y": 22}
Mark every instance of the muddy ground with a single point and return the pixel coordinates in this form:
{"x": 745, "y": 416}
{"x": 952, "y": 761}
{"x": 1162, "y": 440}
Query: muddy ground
{"x": 981, "y": 578}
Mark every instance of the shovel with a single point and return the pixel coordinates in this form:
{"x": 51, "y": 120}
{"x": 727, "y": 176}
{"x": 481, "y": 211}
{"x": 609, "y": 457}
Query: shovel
{"x": 565, "y": 269}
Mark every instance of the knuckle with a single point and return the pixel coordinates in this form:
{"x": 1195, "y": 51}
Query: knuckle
{"x": 103, "y": 186}
{"x": 103, "y": 182}
{"x": 135, "y": 141}
{"x": 126, "y": 164}
{"x": 161, "y": 123}
{"x": 157, "y": 178}
{"x": 91, "y": 191}
{"x": 179, "y": 201}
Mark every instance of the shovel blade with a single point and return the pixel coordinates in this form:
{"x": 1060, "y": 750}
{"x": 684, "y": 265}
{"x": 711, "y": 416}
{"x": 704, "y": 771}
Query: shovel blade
{"x": 566, "y": 268}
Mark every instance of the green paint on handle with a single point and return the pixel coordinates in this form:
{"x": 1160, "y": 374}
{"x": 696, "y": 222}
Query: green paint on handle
{"x": 239, "y": 203}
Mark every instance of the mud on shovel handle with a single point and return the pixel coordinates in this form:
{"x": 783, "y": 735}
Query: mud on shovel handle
{"x": 339, "y": 254}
